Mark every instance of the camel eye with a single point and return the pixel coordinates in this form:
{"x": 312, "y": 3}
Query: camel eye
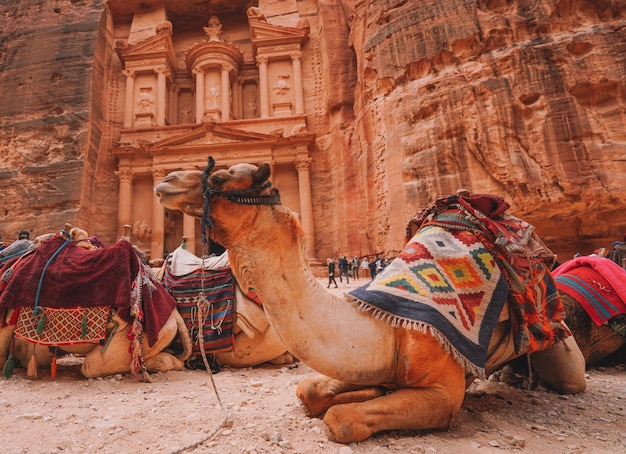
{"x": 218, "y": 180}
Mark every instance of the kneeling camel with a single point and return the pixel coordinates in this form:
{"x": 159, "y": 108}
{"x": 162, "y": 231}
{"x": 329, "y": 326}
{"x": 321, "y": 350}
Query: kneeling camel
{"x": 376, "y": 376}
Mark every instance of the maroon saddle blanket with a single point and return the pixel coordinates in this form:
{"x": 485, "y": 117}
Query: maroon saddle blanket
{"x": 78, "y": 277}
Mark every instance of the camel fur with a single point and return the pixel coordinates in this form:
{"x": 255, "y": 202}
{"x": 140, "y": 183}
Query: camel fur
{"x": 376, "y": 377}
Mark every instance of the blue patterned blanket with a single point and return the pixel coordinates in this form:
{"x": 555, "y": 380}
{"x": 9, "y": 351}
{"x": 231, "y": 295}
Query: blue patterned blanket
{"x": 444, "y": 282}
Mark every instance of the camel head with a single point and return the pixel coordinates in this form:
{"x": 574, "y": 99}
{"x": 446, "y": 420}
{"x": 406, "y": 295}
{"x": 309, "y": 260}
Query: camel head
{"x": 182, "y": 190}
{"x": 240, "y": 177}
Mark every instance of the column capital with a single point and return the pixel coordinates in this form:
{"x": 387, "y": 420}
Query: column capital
{"x": 162, "y": 70}
{"x": 129, "y": 73}
{"x": 196, "y": 71}
{"x": 303, "y": 164}
{"x": 227, "y": 67}
{"x": 125, "y": 175}
{"x": 262, "y": 59}
{"x": 296, "y": 55}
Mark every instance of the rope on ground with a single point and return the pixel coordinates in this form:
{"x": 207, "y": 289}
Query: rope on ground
{"x": 202, "y": 305}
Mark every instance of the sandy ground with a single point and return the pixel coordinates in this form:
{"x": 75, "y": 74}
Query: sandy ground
{"x": 255, "y": 410}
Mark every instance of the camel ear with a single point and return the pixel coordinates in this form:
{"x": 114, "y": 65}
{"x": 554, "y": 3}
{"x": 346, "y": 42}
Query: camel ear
{"x": 262, "y": 174}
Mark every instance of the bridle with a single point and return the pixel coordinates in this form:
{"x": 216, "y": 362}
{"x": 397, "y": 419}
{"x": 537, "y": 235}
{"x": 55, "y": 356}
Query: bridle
{"x": 240, "y": 196}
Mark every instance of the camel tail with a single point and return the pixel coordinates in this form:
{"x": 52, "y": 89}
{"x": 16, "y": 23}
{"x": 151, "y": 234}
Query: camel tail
{"x": 185, "y": 337}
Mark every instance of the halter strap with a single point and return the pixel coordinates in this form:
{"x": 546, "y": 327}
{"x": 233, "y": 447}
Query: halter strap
{"x": 240, "y": 196}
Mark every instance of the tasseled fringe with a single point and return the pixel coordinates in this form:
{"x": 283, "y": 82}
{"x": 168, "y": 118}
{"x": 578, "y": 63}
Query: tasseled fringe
{"x": 137, "y": 364}
{"x": 31, "y": 371}
{"x": 401, "y": 322}
{"x": 41, "y": 324}
{"x": 9, "y": 367}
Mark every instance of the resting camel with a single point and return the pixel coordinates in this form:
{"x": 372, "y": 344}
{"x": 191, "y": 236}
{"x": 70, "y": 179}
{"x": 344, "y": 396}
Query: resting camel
{"x": 376, "y": 375}
{"x": 100, "y": 360}
{"x": 255, "y": 340}
{"x": 594, "y": 297}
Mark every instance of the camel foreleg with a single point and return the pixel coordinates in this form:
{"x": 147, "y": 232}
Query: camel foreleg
{"x": 318, "y": 394}
{"x": 404, "y": 409}
{"x": 562, "y": 366}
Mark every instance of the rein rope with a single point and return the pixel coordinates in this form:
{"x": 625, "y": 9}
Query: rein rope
{"x": 203, "y": 305}
{"x": 37, "y": 307}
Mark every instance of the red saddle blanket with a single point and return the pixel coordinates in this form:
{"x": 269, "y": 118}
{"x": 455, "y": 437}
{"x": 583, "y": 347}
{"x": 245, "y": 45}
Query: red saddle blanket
{"x": 596, "y": 283}
{"x": 78, "y": 277}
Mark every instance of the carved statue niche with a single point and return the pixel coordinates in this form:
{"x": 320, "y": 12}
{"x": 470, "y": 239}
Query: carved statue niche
{"x": 214, "y": 30}
{"x": 144, "y": 115}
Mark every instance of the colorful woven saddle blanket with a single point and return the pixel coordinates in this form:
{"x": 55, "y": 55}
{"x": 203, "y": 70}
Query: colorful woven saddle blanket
{"x": 464, "y": 258}
{"x": 597, "y": 284}
{"x": 212, "y": 325}
{"x": 444, "y": 282}
{"x": 62, "y": 327}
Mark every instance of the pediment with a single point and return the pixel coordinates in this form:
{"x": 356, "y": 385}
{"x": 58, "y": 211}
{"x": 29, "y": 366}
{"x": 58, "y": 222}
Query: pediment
{"x": 212, "y": 134}
{"x": 157, "y": 46}
{"x": 264, "y": 33}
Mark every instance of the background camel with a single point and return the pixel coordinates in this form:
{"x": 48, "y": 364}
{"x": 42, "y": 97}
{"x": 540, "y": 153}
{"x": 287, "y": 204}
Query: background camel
{"x": 361, "y": 357}
{"x": 126, "y": 347}
{"x": 593, "y": 290}
{"x": 254, "y": 341}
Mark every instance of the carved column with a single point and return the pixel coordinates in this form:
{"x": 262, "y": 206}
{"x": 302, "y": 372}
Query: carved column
{"x": 189, "y": 231}
{"x": 161, "y": 94}
{"x": 296, "y": 62}
{"x": 264, "y": 94}
{"x": 225, "y": 92}
{"x": 199, "y": 95}
{"x": 303, "y": 167}
{"x": 173, "y": 105}
{"x": 125, "y": 202}
{"x": 129, "y": 98}
{"x": 158, "y": 219}
{"x": 237, "y": 110}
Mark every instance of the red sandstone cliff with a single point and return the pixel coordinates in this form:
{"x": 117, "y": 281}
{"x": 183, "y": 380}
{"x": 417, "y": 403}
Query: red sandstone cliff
{"x": 409, "y": 101}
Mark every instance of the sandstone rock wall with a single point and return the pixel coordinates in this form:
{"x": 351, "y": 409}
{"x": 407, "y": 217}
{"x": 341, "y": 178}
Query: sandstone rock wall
{"x": 409, "y": 101}
{"x": 46, "y": 65}
{"x": 523, "y": 99}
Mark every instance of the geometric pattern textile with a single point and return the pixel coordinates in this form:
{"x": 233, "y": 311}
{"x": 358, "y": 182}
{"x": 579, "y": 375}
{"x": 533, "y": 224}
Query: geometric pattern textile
{"x": 79, "y": 325}
{"x": 218, "y": 288}
{"x": 444, "y": 282}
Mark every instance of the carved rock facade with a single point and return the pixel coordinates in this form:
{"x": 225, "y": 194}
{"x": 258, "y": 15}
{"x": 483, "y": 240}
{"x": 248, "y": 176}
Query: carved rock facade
{"x": 375, "y": 107}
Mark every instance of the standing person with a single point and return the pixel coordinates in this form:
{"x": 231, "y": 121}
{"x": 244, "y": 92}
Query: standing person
{"x": 380, "y": 264}
{"x": 372, "y": 266}
{"x": 331, "y": 272}
{"x": 356, "y": 263}
{"x": 343, "y": 269}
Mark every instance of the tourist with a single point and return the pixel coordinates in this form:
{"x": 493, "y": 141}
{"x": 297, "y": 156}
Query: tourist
{"x": 372, "y": 266}
{"x": 331, "y": 272}
{"x": 343, "y": 269}
{"x": 356, "y": 263}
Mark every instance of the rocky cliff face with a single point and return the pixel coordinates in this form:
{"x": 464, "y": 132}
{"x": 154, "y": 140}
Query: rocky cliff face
{"x": 525, "y": 99}
{"x": 522, "y": 99}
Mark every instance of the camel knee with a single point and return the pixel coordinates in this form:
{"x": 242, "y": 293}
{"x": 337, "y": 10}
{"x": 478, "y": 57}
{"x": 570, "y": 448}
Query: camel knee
{"x": 164, "y": 362}
{"x": 342, "y": 428}
{"x": 562, "y": 366}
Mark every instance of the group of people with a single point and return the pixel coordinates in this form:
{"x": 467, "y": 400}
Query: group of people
{"x": 353, "y": 268}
